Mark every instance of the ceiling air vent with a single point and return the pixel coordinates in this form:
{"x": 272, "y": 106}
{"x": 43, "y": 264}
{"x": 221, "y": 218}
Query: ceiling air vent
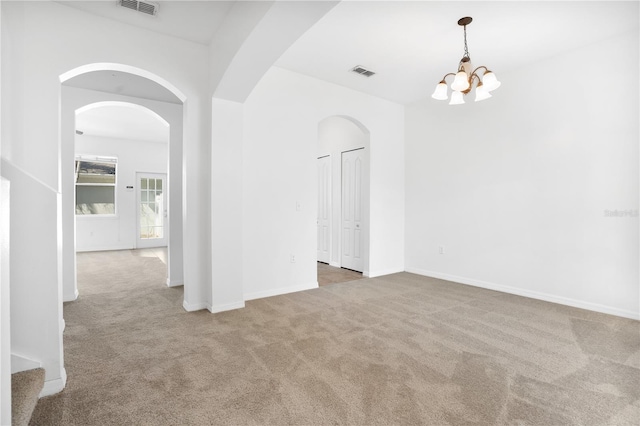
{"x": 358, "y": 69}
{"x": 140, "y": 6}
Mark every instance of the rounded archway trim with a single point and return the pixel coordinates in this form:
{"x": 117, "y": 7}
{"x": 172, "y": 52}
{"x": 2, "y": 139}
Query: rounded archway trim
{"x": 108, "y": 66}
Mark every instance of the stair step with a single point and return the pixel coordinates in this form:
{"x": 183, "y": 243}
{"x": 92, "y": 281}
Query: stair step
{"x": 25, "y": 388}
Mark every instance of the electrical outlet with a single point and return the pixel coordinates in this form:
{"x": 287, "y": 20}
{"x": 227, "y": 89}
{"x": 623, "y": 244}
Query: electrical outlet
{"x": 293, "y": 258}
{"x": 441, "y": 250}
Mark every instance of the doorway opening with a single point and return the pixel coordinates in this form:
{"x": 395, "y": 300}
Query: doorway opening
{"x": 343, "y": 200}
{"x": 96, "y": 88}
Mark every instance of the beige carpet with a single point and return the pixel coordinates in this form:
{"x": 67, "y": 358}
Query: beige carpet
{"x": 25, "y": 388}
{"x": 400, "y": 349}
{"x": 328, "y": 274}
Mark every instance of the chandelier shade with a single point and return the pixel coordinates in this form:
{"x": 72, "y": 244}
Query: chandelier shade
{"x": 467, "y": 77}
{"x": 490, "y": 81}
{"x": 482, "y": 93}
{"x": 441, "y": 92}
{"x": 461, "y": 82}
{"x": 457, "y": 98}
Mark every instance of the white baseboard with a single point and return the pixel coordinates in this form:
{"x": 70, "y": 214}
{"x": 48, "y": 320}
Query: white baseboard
{"x": 174, "y": 283}
{"x": 71, "y": 298}
{"x": 214, "y": 309}
{"x": 373, "y": 274}
{"x": 105, "y": 248}
{"x": 191, "y": 307}
{"x": 279, "y": 291}
{"x": 52, "y": 387}
{"x": 596, "y": 307}
{"x": 335, "y": 264}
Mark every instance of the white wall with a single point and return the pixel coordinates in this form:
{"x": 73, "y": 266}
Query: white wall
{"x": 5, "y": 328}
{"x": 335, "y": 136}
{"x": 5, "y": 305}
{"x": 36, "y": 302}
{"x": 42, "y": 41}
{"x": 515, "y": 188}
{"x": 118, "y": 232}
{"x": 280, "y": 144}
{"x": 226, "y": 206}
{"x": 253, "y": 36}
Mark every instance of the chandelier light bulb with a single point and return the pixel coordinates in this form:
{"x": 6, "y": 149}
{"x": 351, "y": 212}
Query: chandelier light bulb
{"x": 457, "y": 98}
{"x": 461, "y": 82}
{"x": 490, "y": 81}
{"x": 482, "y": 93}
{"x": 441, "y": 92}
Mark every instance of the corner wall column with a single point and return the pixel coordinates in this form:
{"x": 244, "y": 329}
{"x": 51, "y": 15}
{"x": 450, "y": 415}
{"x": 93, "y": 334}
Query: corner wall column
{"x": 226, "y": 206}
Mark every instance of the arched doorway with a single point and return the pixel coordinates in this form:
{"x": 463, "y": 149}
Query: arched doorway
{"x": 343, "y": 193}
{"x": 96, "y": 84}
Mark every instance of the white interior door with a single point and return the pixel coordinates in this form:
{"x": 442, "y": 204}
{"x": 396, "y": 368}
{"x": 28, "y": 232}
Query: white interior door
{"x": 152, "y": 210}
{"x": 352, "y": 232}
{"x": 324, "y": 210}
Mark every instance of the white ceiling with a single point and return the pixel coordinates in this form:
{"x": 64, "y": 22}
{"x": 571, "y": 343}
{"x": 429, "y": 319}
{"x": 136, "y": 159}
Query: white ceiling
{"x": 122, "y": 83}
{"x": 123, "y": 122}
{"x": 411, "y": 45}
{"x": 196, "y": 21}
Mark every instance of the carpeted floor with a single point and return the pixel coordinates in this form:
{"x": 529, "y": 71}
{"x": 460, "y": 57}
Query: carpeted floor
{"x": 400, "y": 349}
{"x": 328, "y": 274}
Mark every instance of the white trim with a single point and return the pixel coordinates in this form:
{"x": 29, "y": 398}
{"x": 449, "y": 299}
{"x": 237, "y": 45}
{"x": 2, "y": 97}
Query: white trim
{"x": 105, "y": 248}
{"x": 214, "y": 309}
{"x": 72, "y": 298}
{"x": 335, "y": 264}
{"x": 175, "y": 283}
{"x": 52, "y": 387}
{"x": 280, "y": 291}
{"x": 191, "y": 307}
{"x": 106, "y": 66}
{"x": 596, "y": 307}
{"x": 374, "y": 274}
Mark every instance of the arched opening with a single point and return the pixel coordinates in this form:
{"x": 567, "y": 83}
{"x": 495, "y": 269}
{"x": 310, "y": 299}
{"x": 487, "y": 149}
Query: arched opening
{"x": 343, "y": 199}
{"x": 92, "y": 87}
{"x": 121, "y": 68}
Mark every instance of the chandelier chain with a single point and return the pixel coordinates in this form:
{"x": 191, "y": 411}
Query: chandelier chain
{"x": 466, "y": 49}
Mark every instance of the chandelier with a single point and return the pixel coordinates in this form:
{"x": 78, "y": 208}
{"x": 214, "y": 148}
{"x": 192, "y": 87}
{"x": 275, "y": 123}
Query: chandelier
{"x": 466, "y": 77}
